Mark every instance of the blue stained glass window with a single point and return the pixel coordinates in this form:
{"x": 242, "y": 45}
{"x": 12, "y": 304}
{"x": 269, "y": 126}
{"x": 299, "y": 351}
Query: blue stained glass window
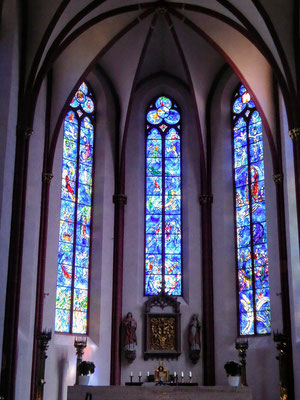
{"x": 163, "y": 250}
{"x": 250, "y": 217}
{"x": 75, "y": 215}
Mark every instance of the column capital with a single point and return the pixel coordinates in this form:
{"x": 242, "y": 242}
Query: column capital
{"x": 120, "y": 199}
{"x": 47, "y": 177}
{"x": 294, "y": 134}
{"x": 206, "y": 199}
{"x": 277, "y": 178}
{"x": 24, "y": 131}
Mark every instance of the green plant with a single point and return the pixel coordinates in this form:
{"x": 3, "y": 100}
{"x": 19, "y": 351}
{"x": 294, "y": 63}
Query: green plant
{"x": 232, "y": 368}
{"x": 86, "y": 368}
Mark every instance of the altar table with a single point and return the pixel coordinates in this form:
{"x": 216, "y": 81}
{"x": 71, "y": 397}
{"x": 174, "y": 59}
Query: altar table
{"x": 79, "y": 392}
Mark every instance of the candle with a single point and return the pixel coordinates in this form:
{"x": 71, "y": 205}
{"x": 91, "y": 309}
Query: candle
{"x": 175, "y": 374}
{"x": 182, "y": 374}
{"x": 140, "y": 373}
{"x": 131, "y": 373}
{"x": 148, "y": 373}
{"x": 190, "y": 374}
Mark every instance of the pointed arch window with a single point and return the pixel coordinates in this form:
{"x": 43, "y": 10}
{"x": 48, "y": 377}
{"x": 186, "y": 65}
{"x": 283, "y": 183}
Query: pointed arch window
{"x": 75, "y": 215}
{"x": 163, "y": 211}
{"x": 250, "y": 217}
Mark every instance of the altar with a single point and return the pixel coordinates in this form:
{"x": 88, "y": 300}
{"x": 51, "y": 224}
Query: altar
{"x": 79, "y": 392}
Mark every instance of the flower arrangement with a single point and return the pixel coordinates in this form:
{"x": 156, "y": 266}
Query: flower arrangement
{"x": 233, "y": 368}
{"x": 86, "y": 368}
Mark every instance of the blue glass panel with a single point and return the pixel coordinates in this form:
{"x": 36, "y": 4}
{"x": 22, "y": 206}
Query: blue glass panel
{"x": 83, "y": 88}
{"x": 262, "y": 299}
{"x": 82, "y": 256}
{"x": 261, "y": 266}
{"x": 246, "y": 301}
{"x": 86, "y": 136}
{"x": 65, "y": 253}
{"x": 172, "y": 264}
{"x": 154, "y": 135}
{"x": 66, "y": 232}
{"x": 241, "y": 196}
{"x": 154, "y": 148}
{"x": 153, "y": 204}
{"x": 87, "y": 123}
{"x": 86, "y": 153}
{"x": 173, "y": 186}
{"x": 153, "y": 117}
{"x": 163, "y": 102}
{"x": 255, "y": 133}
{"x": 83, "y": 235}
{"x": 79, "y": 322}
{"x": 243, "y": 216}
{"x": 251, "y": 104}
{"x": 172, "y": 135}
{"x": 88, "y": 105}
{"x": 256, "y": 151}
{"x": 173, "y": 117}
{"x": 80, "y": 300}
{"x": 63, "y": 298}
{"x": 153, "y": 244}
{"x": 173, "y": 284}
{"x": 64, "y": 275}
{"x": 154, "y": 166}
{"x": 70, "y": 149}
{"x": 68, "y": 170}
{"x": 81, "y": 278}
{"x": 240, "y": 137}
{"x": 172, "y": 225}
{"x": 80, "y": 96}
{"x": 244, "y": 258}
{"x": 163, "y": 111}
{"x": 172, "y": 204}
{"x": 84, "y": 194}
{"x": 153, "y": 284}
{"x": 240, "y": 157}
{"x": 240, "y": 123}
{"x": 242, "y": 89}
{"x": 67, "y": 211}
{"x": 154, "y": 224}
{"x": 68, "y": 189}
{"x": 172, "y": 166}
{"x": 85, "y": 174}
{"x": 154, "y": 186}
{"x": 84, "y": 214}
{"x": 255, "y": 117}
{"x": 245, "y": 279}
{"x": 263, "y": 319}
{"x": 62, "y": 320}
{"x": 153, "y": 264}
{"x": 241, "y": 176}
{"x": 247, "y": 323}
{"x": 258, "y": 191}
{"x": 173, "y": 244}
{"x": 259, "y": 212}
{"x": 257, "y": 171}
{"x": 71, "y": 126}
{"x": 259, "y": 233}
{"x": 172, "y": 148}
{"x": 74, "y": 103}
{"x": 243, "y": 236}
{"x": 238, "y": 105}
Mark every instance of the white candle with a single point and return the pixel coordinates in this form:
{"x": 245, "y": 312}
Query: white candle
{"x": 182, "y": 374}
{"x": 175, "y": 374}
{"x": 131, "y": 373}
{"x": 190, "y": 374}
{"x": 148, "y": 373}
{"x": 140, "y": 373}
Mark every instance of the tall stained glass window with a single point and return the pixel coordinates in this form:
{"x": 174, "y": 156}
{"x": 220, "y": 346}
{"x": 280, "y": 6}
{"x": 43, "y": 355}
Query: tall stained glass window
{"x": 163, "y": 249}
{"x": 75, "y": 215}
{"x": 250, "y": 217}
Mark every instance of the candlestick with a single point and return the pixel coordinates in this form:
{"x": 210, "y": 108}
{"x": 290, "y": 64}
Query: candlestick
{"x": 148, "y": 373}
{"x": 175, "y": 374}
{"x": 131, "y": 376}
{"x": 182, "y": 377}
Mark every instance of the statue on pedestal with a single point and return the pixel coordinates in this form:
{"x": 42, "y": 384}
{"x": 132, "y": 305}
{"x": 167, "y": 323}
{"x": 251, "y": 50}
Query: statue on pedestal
{"x": 129, "y": 326}
{"x": 195, "y": 338}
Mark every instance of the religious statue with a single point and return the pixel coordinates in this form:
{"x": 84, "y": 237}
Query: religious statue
{"x": 195, "y": 338}
{"x": 129, "y": 326}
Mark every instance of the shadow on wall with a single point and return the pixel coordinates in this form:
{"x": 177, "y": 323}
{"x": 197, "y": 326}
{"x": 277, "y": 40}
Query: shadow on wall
{"x": 62, "y": 362}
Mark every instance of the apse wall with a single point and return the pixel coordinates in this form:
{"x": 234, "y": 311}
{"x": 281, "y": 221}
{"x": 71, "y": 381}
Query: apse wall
{"x": 133, "y": 278}
{"x": 61, "y": 361}
{"x": 262, "y": 366}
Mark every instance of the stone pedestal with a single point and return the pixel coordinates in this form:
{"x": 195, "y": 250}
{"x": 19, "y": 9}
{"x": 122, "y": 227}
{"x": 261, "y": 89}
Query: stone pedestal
{"x": 159, "y": 393}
